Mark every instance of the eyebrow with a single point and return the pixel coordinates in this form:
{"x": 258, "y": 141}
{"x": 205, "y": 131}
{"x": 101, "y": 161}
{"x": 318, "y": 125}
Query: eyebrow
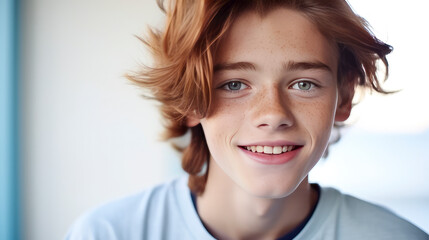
{"x": 293, "y": 66}
{"x": 289, "y": 66}
{"x": 234, "y": 66}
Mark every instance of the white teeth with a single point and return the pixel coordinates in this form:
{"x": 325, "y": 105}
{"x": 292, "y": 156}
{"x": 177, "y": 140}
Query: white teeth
{"x": 270, "y": 149}
{"x": 277, "y": 150}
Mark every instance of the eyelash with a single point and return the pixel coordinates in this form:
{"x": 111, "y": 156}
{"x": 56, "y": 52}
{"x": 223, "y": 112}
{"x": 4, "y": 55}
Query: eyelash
{"x": 227, "y": 87}
{"x": 312, "y": 85}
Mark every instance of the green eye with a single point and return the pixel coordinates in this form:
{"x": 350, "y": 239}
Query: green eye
{"x": 234, "y": 86}
{"x": 303, "y": 85}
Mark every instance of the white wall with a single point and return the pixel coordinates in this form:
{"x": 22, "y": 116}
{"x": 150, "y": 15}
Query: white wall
{"x": 88, "y": 137}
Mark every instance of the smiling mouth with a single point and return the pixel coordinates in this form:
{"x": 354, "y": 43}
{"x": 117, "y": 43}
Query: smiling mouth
{"x": 272, "y": 150}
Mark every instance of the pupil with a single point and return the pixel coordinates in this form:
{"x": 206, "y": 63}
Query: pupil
{"x": 304, "y": 85}
{"x": 234, "y": 85}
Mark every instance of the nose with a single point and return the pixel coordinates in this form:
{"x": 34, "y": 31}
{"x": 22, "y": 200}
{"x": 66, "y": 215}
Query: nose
{"x": 272, "y": 110}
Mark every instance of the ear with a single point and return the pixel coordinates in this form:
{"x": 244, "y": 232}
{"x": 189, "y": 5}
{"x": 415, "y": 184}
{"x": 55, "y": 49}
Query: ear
{"x": 343, "y": 111}
{"x": 344, "y": 105}
{"x": 192, "y": 121}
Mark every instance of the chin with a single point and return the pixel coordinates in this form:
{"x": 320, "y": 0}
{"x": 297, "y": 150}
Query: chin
{"x": 272, "y": 190}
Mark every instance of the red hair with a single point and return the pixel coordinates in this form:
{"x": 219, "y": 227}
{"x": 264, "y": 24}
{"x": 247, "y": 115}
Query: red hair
{"x": 181, "y": 75}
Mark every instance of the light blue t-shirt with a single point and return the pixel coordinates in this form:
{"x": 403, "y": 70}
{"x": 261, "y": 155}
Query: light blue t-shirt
{"x": 167, "y": 212}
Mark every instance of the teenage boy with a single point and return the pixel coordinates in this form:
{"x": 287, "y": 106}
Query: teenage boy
{"x": 260, "y": 86}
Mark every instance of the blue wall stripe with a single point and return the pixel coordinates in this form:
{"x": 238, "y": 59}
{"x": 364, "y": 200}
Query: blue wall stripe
{"x": 9, "y": 183}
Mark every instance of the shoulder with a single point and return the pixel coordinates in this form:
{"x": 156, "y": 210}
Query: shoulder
{"x": 341, "y": 216}
{"x": 132, "y": 217}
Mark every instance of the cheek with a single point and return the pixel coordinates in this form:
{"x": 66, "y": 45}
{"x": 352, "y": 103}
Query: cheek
{"x": 226, "y": 113}
{"x": 318, "y": 117}
{"x": 222, "y": 122}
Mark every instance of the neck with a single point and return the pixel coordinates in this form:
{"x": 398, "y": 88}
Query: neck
{"x": 229, "y": 212}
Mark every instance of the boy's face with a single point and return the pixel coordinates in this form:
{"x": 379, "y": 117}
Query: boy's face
{"x": 275, "y": 90}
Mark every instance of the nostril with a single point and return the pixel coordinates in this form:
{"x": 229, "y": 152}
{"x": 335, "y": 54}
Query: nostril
{"x": 274, "y": 126}
{"x": 273, "y": 116}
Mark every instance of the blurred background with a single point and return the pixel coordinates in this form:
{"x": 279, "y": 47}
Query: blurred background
{"x": 74, "y": 133}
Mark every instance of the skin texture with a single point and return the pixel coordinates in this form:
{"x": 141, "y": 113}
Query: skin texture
{"x": 283, "y": 90}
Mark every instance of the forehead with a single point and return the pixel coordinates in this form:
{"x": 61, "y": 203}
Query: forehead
{"x": 280, "y": 36}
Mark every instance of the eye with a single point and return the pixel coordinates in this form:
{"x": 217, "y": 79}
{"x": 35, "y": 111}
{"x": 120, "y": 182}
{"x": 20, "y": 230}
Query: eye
{"x": 303, "y": 85}
{"x": 234, "y": 86}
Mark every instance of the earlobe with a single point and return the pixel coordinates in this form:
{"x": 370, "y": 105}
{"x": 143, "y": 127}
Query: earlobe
{"x": 343, "y": 112}
{"x": 344, "y": 107}
{"x": 192, "y": 121}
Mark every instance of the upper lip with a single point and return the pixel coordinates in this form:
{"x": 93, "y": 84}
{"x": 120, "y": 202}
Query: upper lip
{"x": 272, "y": 143}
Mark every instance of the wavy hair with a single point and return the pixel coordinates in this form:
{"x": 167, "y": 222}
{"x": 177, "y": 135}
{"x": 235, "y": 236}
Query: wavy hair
{"x": 182, "y": 51}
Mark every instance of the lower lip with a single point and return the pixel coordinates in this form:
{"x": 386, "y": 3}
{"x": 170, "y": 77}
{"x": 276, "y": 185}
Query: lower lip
{"x": 272, "y": 159}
